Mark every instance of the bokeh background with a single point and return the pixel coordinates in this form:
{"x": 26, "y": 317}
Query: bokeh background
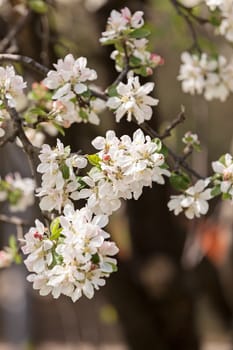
{"x": 174, "y": 286}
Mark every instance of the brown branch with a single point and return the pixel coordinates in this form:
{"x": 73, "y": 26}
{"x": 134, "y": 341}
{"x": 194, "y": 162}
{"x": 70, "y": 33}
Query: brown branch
{"x": 13, "y": 220}
{"x": 126, "y": 69}
{"x": 30, "y": 150}
{"x": 188, "y": 19}
{"x": 189, "y": 10}
{"x": 178, "y": 160}
{"x": 26, "y": 61}
{"x": 45, "y": 36}
{"x": 4, "y": 43}
{"x": 178, "y": 120}
{"x": 11, "y": 132}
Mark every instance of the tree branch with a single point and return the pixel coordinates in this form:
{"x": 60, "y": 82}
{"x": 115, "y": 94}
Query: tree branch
{"x": 178, "y": 120}
{"x": 186, "y": 16}
{"x": 4, "y": 43}
{"x": 26, "y": 61}
{"x": 30, "y": 150}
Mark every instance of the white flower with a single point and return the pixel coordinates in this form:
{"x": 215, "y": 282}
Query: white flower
{"x": 77, "y": 261}
{"x": 69, "y": 74}
{"x": 213, "y": 4}
{"x": 118, "y": 22}
{"x": 125, "y": 166}
{"x": 191, "y": 74}
{"x": 18, "y": 191}
{"x": 133, "y": 100}
{"x": 190, "y": 3}
{"x": 224, "y": 168}
{"x": 212, "y": 77}
{"x": 193, "y": 201}
{"x": 11, "y": 85}
{"x": 190, "y": 138}
{"x": 69, "y": 77}
{"x": 59, "y": 184}
{"x": 34, "y": 136}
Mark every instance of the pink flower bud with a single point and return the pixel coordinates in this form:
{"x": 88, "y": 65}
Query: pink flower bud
{"x": 156, "y": 59}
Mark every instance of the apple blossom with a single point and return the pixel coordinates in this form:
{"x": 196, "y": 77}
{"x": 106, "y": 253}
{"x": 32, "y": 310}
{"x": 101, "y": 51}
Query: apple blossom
{"x": 193, "y": 201}
{"x": 76, "y": 260}
{"x": 133, "y": 100}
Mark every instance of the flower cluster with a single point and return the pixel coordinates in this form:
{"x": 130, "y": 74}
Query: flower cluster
{"x": 226, "y": 13}
{"x": 123, "y": 168}
{"x": 133, "y": 100}
{"x": 121, "y": 22}
{"x": 74, "y": 258}
{"x": 223, "y": 168}
{"x": 59, "y": 183}
{"x": 224, "y": 10}
{"x": 193, "y": 201}
{"x": 18, "y": 191}
{"x": 212, "y": 77}
{"x": 72, "y": 99}
{"x": 11, "y": 86}
{"x": 191, "y": 141}
{"x": 125, "y": 30}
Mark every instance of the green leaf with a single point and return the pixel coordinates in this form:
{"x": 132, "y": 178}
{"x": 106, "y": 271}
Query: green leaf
{"x": 140, "y": 33}
{"x": 112, "y": 91}
{"x": 215, "y": 21}
{"x": 216, "y": 191}
{"x": 59, "y": 128}
{"x": 222, "y": 159}
{"x": 18, "y": 258}
{"x": 65, "y": 171}
{"x": 164, "y": 150}
{"x": 94, "y": 159}
{"x": 180, "y": 181}
{"x": 141, "y": 71}
{"x": 83, "y": 114}
{"x": 55, "y": 229}
{"x": 38, "y": 6}
{"x": 57, "y": 260}
{"x": 14, "y": 196}
{"x": 158, "y": 143}
{"x": 226, "y": 196}
{"x": 134, "y": 61}
{"x": 12, "y": 243}
{"x": 81, "y": 183}
{"x": 95, "y": 258}
{"x": 114, "y": 267}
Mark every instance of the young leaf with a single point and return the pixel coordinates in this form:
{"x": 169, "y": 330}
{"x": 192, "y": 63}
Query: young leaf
{"x": 94, "y": 159}
{"x": 55, "y": 229}
{"x": 216, "y": 191}
{"x": 38, "y": 6}
{"x": 140, "y": 33}
{"x": 180, "y": 181}
{"x": 65, "y": 171}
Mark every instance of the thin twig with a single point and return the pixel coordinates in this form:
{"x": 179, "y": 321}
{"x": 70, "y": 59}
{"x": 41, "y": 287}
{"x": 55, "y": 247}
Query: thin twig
{"x": 45, "y": 40}
{"x": 11, "y": 132}
{"x": 26, "y": 61}
{"x": 178, "y": 120}
{"x": 178, "y": 160}
{"x": 126, "y": 69}
{"x": 188, "y": 20}
{"x": 30, "y": 150}
{"x": 13, "y": 220}
{"x": 198, "y": 19}
{"x": 4, "y": 43}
